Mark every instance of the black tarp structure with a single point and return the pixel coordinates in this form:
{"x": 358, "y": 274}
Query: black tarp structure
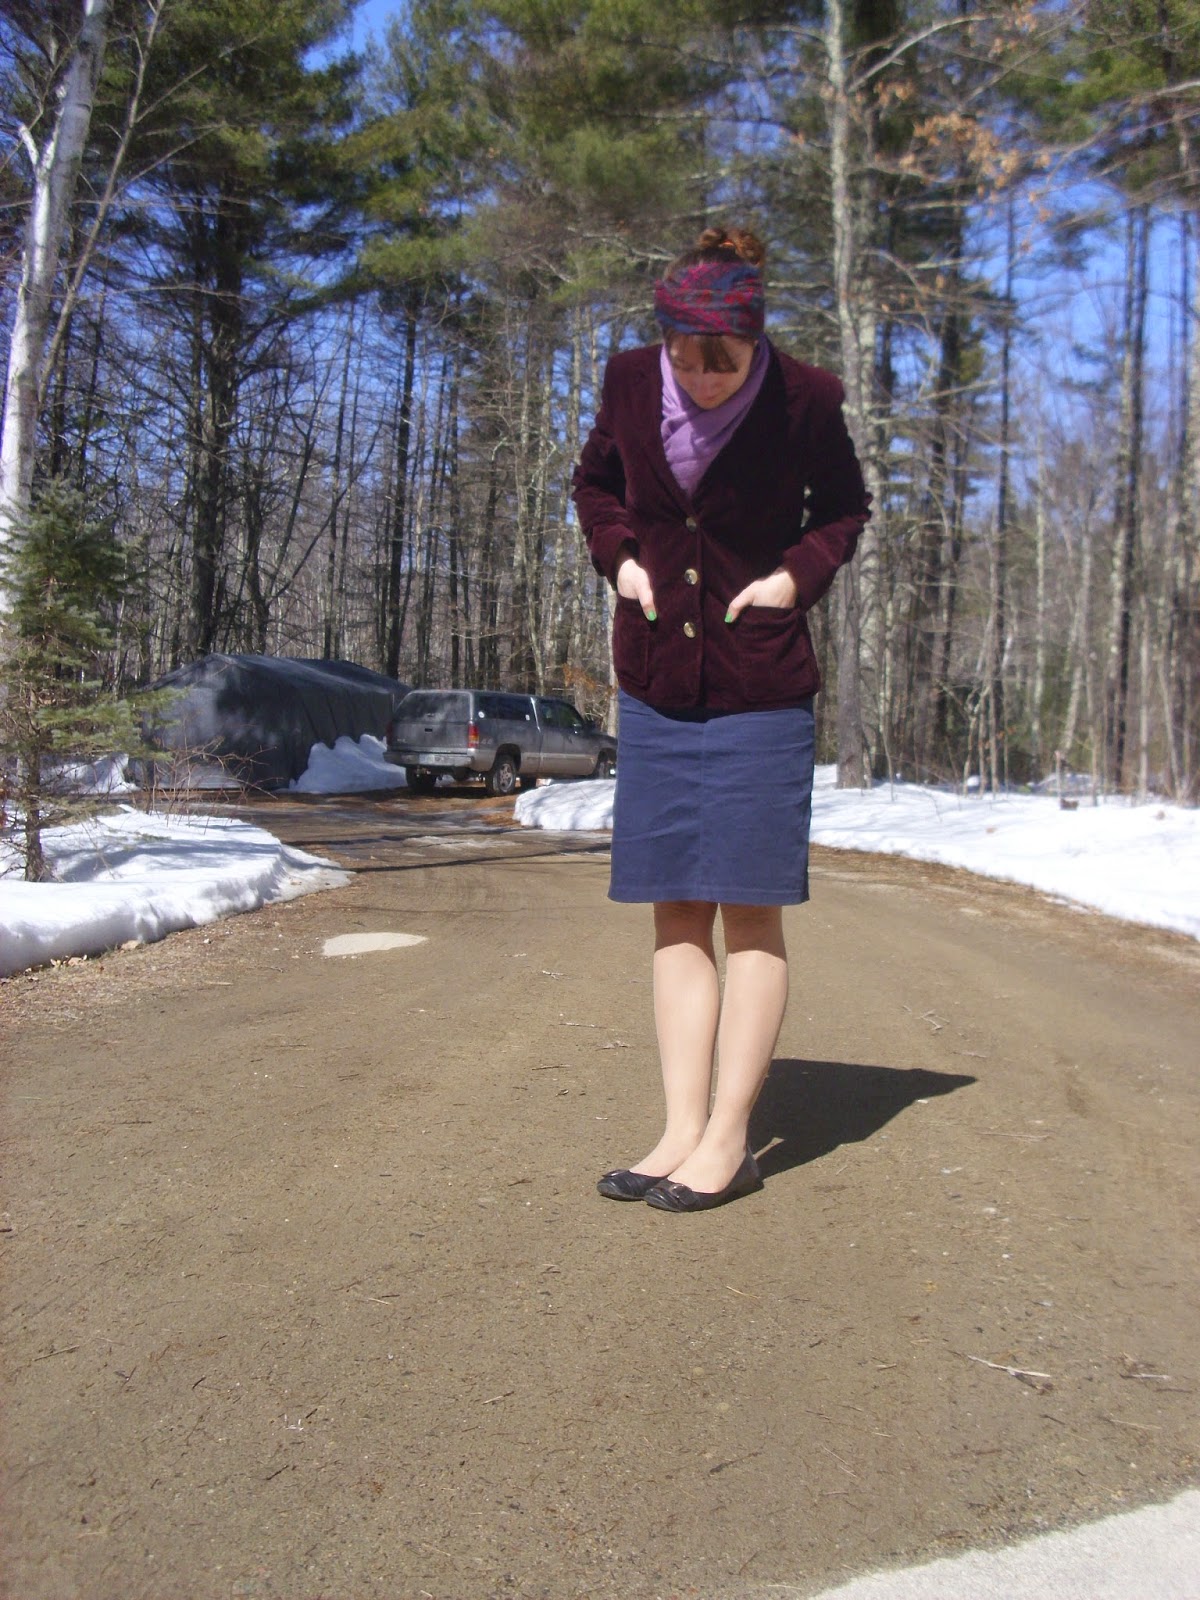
{"x": 253, "y": 719}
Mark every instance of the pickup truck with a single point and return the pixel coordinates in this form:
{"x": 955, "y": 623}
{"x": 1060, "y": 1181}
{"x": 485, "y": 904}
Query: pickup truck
{"x": 507, "y": 739}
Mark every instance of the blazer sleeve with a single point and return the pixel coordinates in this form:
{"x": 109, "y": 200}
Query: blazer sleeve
{"x": 598, "y": 489}
{"x": 838, "y": 510}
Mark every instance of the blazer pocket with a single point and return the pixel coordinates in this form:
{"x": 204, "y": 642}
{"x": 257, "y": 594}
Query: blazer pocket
{"x": 770, "y": 648}
{"x": 631, "y": 643}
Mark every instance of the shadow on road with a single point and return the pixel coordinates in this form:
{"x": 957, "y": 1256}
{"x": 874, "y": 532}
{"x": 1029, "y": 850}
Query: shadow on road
{"x": 811, "y": 1107}
{"x": 345, "y": 857}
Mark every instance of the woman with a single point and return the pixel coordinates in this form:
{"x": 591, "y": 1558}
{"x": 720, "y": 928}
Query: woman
{"x": 719, "y": 493}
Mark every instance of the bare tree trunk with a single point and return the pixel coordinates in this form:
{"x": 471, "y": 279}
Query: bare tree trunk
{"x": 562, "y": 616}
{"x": 851, "y": 745}
{"x": 582, "y": 586}
{"x": 527, "y": 665}
{"x": 1125, "y": 548}
{"x": 949, "y": 598}
{"x": 1185, "y": 634}
{"x": 337, "y": 493}
{"x": 395, "y": 567}
{"x": 927, "y": 609}
{"x": 57, "y": 382}
{"x": 217, "y": 420}
{"x": 357, "y": 467}
{"x": 489, "y": 598}
{"x": 143, "y": 45}
{"x": 858, "y": 581}
{"x": 423, "y": 518}
{"x": 1038, "y": 690}
{"x": 1000, "y": 558}
{"x": 602, "y": 593}
{"x": 55, "y": 170}
{"x": 1144, "y": 700}
{"x": 435, "y": 519}
{"x": 1079, "y": 642}
{"x": 460, "y": 600}
{"x": 989, "y": 777}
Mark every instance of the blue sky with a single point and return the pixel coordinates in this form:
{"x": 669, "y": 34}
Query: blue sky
{"x": 371, "y": 17}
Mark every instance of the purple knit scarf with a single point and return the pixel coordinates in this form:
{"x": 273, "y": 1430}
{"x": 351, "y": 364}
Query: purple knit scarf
{"x": 691, "y": 435}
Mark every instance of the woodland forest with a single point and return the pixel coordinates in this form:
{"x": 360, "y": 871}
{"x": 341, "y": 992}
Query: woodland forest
{"x": 321, "y": 331}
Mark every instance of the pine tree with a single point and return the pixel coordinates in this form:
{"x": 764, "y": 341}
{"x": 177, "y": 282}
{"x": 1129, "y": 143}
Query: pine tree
{"x": 64, "y": 576}
{"x": 241, "y": 217}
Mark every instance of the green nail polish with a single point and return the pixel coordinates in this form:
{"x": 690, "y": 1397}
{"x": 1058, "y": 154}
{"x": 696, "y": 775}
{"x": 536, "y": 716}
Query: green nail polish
{"x": 729, "y": 616}
{"x": 652, "y": 616}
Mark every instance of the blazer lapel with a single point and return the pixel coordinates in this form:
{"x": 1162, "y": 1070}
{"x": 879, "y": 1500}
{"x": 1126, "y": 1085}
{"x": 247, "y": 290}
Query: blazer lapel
{"x": 760, "y": 439}
{"x": 647, "y": 401}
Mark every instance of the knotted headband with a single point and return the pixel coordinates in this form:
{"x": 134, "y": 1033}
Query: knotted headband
{"x": 721, "y": 297}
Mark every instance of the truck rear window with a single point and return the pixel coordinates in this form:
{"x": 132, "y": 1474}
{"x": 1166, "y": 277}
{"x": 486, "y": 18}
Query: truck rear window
{"x": 428, "y": 705}
{"x": 506, "y": 707}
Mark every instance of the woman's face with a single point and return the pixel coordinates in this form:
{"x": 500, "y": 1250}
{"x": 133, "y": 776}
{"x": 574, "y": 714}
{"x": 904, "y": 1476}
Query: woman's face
{"x": 709, "y": 389}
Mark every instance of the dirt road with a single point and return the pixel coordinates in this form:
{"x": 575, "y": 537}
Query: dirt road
{"x": 308, "y": 1292}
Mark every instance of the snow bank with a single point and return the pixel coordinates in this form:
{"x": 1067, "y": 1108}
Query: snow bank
{"x": 129, "y": 875}
{"x": 350, "y": 767}
{"x": 1137, "y": 862}
{"x": 108, "y": 776}
{"x": 585, "y": 807}
{"x": 1140, "y": 863}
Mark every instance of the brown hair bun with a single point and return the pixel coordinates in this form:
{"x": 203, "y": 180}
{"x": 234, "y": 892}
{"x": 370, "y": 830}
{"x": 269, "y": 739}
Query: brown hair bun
{"x": 740, "y": 242}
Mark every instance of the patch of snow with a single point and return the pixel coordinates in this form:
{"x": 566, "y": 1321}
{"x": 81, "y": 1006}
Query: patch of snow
{"x": 585, "y": 807}
{"x": 1138, "y": 862}
{"x": 350, "y": 767}
{"x": 1149, "y": 1554}
{"x": 133, "y": 876}
{"x": 106, "y": 776}
{"x": 362, "y": 944}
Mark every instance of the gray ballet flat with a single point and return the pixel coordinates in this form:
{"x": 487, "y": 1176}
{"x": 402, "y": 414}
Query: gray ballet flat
{"x": 666, "y": 1195}
{"x": 621, "y": 1184}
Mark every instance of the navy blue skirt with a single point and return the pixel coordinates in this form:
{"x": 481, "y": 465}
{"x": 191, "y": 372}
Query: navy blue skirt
{"x": 712, "y": 805}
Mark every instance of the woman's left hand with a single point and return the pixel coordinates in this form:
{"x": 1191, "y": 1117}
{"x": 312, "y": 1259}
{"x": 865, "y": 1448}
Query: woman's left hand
{"x": 777, "y": 590}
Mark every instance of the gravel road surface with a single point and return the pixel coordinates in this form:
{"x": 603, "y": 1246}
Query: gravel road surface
{"x": 308, "y": 1292}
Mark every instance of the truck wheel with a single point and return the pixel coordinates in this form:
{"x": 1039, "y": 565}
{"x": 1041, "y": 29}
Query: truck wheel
{"x": 606, "y": 765}
{"x": 420, "y": 780}
{"x": 503, "y": 777}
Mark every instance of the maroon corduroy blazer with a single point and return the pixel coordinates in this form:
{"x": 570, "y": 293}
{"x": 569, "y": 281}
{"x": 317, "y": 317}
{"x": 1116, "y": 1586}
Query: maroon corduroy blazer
{"x": 785, "y": 491}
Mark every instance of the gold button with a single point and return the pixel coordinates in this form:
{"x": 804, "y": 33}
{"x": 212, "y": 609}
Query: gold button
{"x": 689, "y": 629}
{"x": 691, "y": 524}
{"x": 691, "y": 576}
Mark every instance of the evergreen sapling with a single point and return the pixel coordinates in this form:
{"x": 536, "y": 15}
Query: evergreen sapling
{"x": 64, "y": 576}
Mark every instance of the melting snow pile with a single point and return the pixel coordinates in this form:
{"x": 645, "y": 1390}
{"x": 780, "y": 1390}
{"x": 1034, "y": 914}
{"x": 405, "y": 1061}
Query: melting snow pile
{"x": 132, "y": 876}
{"x": 350, "y": 767}
{"x": 1137, "y": 862}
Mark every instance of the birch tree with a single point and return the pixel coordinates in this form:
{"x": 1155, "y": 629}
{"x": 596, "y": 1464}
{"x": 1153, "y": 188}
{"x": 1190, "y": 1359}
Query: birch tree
{"x": 55, "y": 164}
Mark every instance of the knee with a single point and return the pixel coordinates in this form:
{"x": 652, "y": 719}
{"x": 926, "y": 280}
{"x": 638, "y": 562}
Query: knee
{"x": 754, "y": 928}
{"x": 684, "y": 922}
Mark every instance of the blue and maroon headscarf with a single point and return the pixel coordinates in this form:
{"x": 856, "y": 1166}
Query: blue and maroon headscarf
{"x": 714, "y": 297}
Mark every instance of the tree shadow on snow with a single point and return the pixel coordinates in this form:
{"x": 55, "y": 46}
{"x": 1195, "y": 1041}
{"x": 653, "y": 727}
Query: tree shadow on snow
{"x": 809, "y": 1108}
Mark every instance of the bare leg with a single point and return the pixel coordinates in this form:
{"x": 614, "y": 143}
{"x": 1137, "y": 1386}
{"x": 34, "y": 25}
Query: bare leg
{"x": 756, "y": 988}
{"x": 686, "y": 1005}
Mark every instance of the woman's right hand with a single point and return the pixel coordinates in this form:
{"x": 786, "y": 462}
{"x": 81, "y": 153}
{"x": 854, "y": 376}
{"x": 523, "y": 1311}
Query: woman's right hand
{"x": 633, "y": 583}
